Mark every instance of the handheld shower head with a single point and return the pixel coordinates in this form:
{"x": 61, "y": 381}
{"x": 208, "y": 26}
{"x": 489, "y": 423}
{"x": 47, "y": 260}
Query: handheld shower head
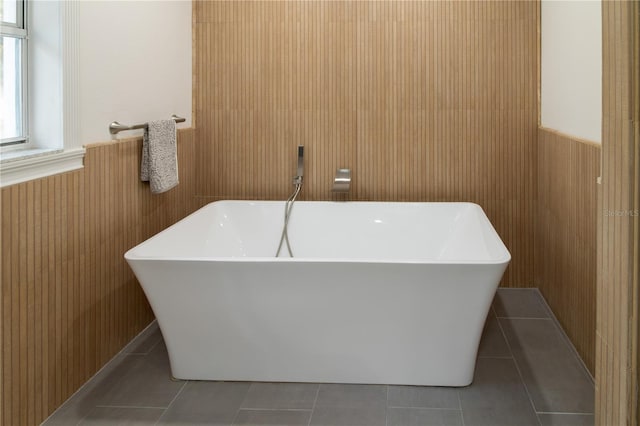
{"x": 297, "y": 180}
{"x": 300, "y": 160}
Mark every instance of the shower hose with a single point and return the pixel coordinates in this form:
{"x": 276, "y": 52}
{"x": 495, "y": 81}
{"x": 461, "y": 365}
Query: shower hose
{"x": 288, "y": 206}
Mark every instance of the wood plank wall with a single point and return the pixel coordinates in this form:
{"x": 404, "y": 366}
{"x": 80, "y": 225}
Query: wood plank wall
{"x": 68, "y": 300}
{"x": 619, "y": 230}
{"x": 424, "y": 101}
{"x": 566, "y": 254}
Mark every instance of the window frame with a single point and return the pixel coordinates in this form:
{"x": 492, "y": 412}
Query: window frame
{"x": 20, "y": 31}
{"x": 54, "y": 144}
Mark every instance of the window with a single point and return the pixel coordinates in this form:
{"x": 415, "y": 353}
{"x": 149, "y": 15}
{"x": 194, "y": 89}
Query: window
{"x": 13, "y": 81}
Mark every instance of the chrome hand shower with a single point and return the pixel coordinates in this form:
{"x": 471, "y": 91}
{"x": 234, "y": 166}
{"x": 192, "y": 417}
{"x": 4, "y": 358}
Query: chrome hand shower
{"x": 288, "y": 205}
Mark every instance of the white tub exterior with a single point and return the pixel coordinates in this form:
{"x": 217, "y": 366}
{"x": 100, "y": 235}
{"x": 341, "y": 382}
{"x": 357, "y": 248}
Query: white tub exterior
{"x": 392, "y": 293}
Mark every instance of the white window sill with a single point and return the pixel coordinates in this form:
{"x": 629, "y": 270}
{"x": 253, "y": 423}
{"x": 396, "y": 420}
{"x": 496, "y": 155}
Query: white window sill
{"x": 23, "y": 165}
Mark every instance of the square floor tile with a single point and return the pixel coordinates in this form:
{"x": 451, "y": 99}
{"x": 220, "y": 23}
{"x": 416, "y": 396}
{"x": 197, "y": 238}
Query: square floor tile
{"x": 493, "y": 343}
{"x": 148, "y": 383}
{"x": 557, "y": 419}
{"x": 344, "y": 395}
{"x": 423, "y": 417}
{"x": 281, "y": 395}
{"x": 273, "y": 417}
{"x": 206, "y": 403}
{"x": 68, "y": 414}
{"x": 499, "y": 416}
{"x": 373, "y": 415}
{"x": 145, "y": 341}
{"x": 519, "y": 303}
{"x": 93, "y": 392}
{"x": 553, "y": 374}
{"x": 112, "y": 416}
{"x": 423, "y": 397}
{"x": 496, "y": 381}
{"x": 497, "y": 395}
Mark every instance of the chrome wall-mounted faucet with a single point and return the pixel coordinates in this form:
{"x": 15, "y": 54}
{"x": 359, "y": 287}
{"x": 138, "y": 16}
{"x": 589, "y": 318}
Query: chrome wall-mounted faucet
{"x": 342, "y": 180}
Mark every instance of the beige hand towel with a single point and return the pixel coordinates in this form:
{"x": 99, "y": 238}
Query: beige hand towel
{"x": 160, "y": 156}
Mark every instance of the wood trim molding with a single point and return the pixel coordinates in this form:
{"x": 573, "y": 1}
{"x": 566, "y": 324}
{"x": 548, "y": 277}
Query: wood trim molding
{"x": 571, "y": 137}
{"x": 70, "y": 44}
{"x": 619, "y": 234}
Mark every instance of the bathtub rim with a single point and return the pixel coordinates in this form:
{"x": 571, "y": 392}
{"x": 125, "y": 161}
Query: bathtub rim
{"x": 504, "y": 259}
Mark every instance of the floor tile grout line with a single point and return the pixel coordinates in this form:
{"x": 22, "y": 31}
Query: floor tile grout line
{"x": 233, "y": 422}
{"x": 139, "y": 336}
{"x": 154, "y": 346}
{"x": 533, "y": 290}
{"x": 148, "y": 350}
{"x": 172, "y": 401}
{"x": 246, "y": 395}
{"x": 276, "y": 409}
{"x": 495, "y": 314}
{"x": 493, "y": 310}
{"x": 516, "y": 288}
{"x": 386, "y": 408}
{"x": 515, "y": 362}
{"x": 568, "y": 341}
{"x": 526, "y": 318}
{"x": 494, "y": 357}
{"x": 460, "y": 403}
{"x": 313, "y": 408}
{"x": 136, "y": 407}
{"x": 426, "y": 408}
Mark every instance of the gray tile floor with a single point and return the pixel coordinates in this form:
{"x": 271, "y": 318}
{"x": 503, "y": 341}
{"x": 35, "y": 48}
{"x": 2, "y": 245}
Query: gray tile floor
{"x": 526, "y": 374}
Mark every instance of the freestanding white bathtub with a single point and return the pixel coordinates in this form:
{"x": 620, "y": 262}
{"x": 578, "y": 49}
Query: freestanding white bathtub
{"x": 391, "y": 293}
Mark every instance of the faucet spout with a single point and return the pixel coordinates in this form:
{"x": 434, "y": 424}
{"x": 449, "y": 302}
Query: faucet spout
{"x": 342, "y": 181}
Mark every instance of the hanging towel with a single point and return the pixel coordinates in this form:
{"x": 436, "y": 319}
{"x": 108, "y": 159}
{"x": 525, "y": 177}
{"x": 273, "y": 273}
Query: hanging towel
{"x": 160, "y": 156}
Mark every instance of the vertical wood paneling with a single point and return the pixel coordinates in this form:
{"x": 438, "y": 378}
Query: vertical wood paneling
{"x": 566, "y": 240}
{"x": 68, "y": 300}
{"x": 618, "y": 224}
{"x": 5, "y": 318}
{"x": 424, "y": 101}
{"x": 278, "y": 75}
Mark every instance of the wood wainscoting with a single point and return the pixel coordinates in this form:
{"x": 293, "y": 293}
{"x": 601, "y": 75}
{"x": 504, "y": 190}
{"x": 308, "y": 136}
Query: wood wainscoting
{"x": 424, "y": 101}
{"x": 566, "y": 255}
{"x": 617, "y": 355}
{"x": 69, "y": 301}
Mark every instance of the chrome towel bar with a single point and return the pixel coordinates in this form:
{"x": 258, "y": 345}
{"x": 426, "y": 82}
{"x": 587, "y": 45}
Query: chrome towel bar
{"x": 116, "y": 127}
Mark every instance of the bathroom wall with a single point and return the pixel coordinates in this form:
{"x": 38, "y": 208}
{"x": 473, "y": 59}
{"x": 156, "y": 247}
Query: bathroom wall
{"x": 68, "y": 301}
{"x": 424, "y": 101}
{"x": 566, "y": 235}
{"x": 135, "y": 63}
